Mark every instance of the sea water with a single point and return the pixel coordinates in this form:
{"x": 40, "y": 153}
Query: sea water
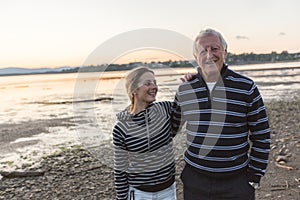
{"x": 91, "y": 100}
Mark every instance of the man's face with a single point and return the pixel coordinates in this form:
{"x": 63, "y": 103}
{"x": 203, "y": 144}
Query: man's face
{"x": 210, "y": 56}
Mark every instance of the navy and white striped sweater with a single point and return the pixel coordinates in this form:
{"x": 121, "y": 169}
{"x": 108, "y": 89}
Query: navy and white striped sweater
{"x": 143, "y": 148}
{"x": 222, "y": 125}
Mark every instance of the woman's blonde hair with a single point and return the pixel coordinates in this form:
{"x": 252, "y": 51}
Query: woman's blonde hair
{"x": 132, "y": 80}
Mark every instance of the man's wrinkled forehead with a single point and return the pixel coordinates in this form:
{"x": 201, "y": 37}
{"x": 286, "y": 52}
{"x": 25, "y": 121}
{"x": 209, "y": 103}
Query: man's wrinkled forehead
{"x": 208, "y": 41}
{"x": 208, "y": 38}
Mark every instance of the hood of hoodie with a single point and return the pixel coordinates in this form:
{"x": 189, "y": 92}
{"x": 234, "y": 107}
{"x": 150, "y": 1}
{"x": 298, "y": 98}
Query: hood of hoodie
{"x": 126, "y": 116}
{"x": 140, "y": 119}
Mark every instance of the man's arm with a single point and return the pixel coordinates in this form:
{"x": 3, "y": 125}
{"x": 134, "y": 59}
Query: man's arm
{"x": 177, "y": 121}
{"x": 259, "y": 136}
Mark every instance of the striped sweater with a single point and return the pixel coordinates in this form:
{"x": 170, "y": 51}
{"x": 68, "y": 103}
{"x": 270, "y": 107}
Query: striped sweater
{"x": 227, "y": 130}
{"x": 143, "y": 148}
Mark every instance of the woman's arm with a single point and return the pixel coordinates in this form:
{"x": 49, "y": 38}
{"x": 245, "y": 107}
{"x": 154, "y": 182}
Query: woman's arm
{"x": 120, "y": 164}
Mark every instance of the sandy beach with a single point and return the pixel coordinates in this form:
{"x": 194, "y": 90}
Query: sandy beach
{"x": 75, "y": 173}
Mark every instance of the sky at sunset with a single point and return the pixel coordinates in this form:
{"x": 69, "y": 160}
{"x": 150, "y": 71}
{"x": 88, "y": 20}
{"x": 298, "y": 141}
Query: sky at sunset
{"x": 54, "y": 33}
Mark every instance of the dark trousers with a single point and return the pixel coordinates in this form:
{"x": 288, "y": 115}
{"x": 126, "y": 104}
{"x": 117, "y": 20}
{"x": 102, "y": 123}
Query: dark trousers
{"x": 197, "y": 186}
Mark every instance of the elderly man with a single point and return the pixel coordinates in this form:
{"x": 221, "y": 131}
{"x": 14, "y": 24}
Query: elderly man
{"x": 228, "y": 135}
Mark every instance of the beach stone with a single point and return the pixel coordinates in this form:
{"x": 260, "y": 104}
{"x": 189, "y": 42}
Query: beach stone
{"x": 281, "y": 159}
{"x": 282, "y": 162}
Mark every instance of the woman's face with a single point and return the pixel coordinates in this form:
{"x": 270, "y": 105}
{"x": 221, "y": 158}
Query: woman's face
{"x": 147, "y": 89}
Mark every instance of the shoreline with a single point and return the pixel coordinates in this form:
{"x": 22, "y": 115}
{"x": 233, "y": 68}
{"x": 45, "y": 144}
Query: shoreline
{"x": 237, "y": 67}
{"x": 73, "y": 172}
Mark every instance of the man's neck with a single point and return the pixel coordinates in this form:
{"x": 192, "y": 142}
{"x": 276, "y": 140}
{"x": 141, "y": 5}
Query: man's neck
{"x": 212, "y": 78}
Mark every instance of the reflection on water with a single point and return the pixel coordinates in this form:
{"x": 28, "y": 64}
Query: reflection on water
{"x": 92, "y": 100}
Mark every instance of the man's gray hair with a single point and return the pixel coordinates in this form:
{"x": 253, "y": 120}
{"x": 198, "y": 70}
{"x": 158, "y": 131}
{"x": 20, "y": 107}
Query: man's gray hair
{"x": 206, "y": 32}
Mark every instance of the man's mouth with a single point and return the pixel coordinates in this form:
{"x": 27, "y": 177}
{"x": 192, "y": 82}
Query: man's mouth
{"x": 210, "y": 62}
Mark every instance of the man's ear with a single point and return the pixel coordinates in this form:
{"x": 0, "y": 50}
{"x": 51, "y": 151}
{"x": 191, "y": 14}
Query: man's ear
{"x": 195, "y": 56}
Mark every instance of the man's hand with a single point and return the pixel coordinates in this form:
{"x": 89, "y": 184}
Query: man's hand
{"x": 187, "y": 77}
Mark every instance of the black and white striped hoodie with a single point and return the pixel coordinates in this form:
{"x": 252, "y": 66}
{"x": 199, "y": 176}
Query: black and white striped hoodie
{"x": 143, "y": 150}
{"x": 227, "y": 129}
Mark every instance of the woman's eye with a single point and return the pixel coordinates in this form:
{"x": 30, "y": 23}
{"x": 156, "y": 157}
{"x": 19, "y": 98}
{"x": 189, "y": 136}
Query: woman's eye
{"x": 149, "y": 83}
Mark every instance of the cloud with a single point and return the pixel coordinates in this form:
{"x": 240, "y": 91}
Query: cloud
{"x": 281, "y": 34}
{"x": 240, "y": 37}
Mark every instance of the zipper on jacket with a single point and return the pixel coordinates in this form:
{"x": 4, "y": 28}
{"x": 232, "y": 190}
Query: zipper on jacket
{"x": 209, "y": 93}
{"x": 147, "y": 128}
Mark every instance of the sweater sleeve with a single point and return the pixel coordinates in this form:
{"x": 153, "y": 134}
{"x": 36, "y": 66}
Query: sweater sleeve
{"x": 176, "y": 115}
{"x": 120, "y": 164}
{"x": 259, "y": 136}
{"x": 168, "y": 107}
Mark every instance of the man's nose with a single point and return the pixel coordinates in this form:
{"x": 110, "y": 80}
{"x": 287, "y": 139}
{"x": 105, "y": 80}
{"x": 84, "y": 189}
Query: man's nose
{"x": 209, "y": 54}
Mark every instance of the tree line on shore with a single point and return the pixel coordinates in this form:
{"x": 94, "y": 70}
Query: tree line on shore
{"x": 252, "y": 58}
{"x": 232, "y": 59}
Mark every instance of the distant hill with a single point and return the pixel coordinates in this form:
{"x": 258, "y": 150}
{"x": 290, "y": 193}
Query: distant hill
{"x": 24, "y": 71}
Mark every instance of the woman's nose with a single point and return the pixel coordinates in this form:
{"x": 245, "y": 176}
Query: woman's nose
{"x": 153, "y": 85}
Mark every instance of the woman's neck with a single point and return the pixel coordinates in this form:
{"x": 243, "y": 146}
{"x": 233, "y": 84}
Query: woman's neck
{"x": 138, "y": 108}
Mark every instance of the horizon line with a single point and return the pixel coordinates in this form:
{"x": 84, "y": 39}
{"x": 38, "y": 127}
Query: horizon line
{"x": 132, "y": 62}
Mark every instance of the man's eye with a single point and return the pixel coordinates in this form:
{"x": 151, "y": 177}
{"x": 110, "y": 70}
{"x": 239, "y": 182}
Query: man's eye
{"x": 203, "y": 52}
{"x": 215, "y": 49}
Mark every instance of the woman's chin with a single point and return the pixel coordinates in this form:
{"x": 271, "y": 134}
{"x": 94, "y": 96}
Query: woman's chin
{"x": 152, "y": 100}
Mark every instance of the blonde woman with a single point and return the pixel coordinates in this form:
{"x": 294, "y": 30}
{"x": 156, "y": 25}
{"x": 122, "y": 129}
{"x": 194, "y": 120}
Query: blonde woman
{"x": 142, "y": 137}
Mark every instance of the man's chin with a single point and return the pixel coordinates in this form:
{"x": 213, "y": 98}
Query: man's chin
{"x": 210, "y": 65}
{"x": 211, "y": 71}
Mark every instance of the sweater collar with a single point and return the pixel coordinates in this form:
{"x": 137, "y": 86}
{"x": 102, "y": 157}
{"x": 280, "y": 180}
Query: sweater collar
{"x": 223, "y": 72}
{"x": 125, "y": 114}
